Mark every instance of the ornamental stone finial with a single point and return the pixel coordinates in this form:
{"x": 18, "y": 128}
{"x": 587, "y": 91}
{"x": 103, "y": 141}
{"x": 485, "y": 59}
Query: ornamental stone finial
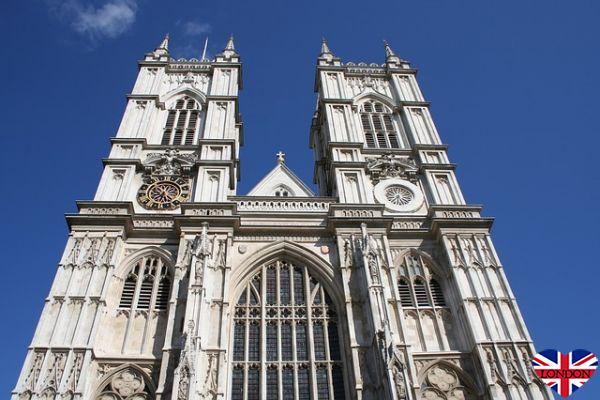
{"x": 324, "y": 47}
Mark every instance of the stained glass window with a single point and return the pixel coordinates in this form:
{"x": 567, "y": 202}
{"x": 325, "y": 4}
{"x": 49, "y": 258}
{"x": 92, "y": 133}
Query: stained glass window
{"x": 288, "y": 312}
{"x": 272, "y": 388}
{"x": 322, "y": 381}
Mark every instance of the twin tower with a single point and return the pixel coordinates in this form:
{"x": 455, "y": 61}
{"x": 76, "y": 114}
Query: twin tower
{"x": 383, "y": 285}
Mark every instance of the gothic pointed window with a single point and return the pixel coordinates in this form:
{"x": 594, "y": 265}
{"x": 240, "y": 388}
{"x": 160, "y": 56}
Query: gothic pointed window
{"x": 147, "y": 286}
{"x": 419, "y": 290}
{"x": 405, "y": 295}
{"x": 417, "y": 285}
{"x": 182, "y": 123}
{"x": 300, "y": 355}
{"x": 378, "y": 126}
{"x": 436, "y": 293}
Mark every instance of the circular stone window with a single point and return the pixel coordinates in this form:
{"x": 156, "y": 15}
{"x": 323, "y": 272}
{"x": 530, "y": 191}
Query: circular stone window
{"x": 398, "y": 195}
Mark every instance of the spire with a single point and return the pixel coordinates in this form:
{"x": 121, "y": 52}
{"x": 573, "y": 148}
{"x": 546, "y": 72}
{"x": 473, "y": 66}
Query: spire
{"x": 326, "y": 57}
{"x": 163, "y": 47}
{"x": 391, "y": 59}
{"x": 229, "y": 45}
{"x": 388, "y": 50}
{"x": 324, "y": 48}
{"x": 229, "y": 50}
{"x": 164, "y": 44}
{"x": 203, "y": 58}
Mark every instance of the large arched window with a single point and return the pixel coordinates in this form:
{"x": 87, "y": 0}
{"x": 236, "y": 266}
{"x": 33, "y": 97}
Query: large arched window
{"x": 429, "y": 323}
{"x": 147, "y": 285}
{"x": 182, "y": 123}
{"x": 285, "y": 338}
{"x": 378, "y": 126}
{"x": 417, "y": 286}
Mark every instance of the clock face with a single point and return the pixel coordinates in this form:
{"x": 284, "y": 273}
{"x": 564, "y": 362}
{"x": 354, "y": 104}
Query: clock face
{"x": 164, "y": 193}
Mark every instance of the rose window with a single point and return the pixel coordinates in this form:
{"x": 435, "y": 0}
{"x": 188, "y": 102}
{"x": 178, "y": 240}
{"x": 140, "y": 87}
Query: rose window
{"x": 398, "y": 195}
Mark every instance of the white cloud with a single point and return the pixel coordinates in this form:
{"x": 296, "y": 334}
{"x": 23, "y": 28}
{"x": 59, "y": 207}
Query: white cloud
{"x": 109, "y": 20}
{"x": 193, "y": 28}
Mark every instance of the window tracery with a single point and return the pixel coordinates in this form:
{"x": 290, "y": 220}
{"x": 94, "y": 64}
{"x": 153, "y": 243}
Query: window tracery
{"x": 299, "y": 357}
{"x": 443, "y": 383}
{"x": 147, "y": 286}
{"x": 429, "y": 322}
{"x": 418, "y": 286}
{"x": 378, "y": 126}
{"x": 127, "y": 384}
{"x": 182, "y": 123}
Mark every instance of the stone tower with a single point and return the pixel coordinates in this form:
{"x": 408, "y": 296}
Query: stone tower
{"x": 383, "y": 285}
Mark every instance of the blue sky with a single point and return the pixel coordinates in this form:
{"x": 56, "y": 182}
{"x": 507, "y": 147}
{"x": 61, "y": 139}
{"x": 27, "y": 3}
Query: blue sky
{"x": 514, "y": 92}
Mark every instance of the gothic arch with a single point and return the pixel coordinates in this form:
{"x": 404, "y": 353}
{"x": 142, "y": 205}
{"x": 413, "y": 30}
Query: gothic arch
{"x": 333, "y": 327}
{"x": 365, "y": 96}
{"x": 140, "y": 383}
{"x": 194, "y": 93}
{"x": 439, "y": 367}
{"x": 128, "y": 262}
{"x": 321, "y": 269}
{"x": 436, "y": 268}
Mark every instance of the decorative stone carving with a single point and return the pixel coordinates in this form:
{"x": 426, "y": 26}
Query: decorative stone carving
{"x": 86, "y": 251}
{"x": 283, "y": 205}
{"x": 153, "y": 223}
{"x": 103, "y": 210}
{"x": 184, "y": 370}
{"x": 398, "y": 374}
{"x": 358, "y": 213}
{"x": 75, "y": 371}
{"x": 494, "y": 375}
{"x": 184, "y": 383}
{"x": 169, "y": 163}
{"x": 442, "y": 383}
{"x": 55, "y": 369}
{"x": 391, "y": 166}
{"x": 127, "y": 384}
{"x": 210, "y": 383}
{"x": 34, "y": 371}
{"x": 409, "y": 224}
{"x": 206, "y": 211}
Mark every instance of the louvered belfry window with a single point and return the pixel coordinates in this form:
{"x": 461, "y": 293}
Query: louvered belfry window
{"x": 299, "y": 357}
{"x": 182, "y": 123}
{"x": 378, "y": 126}
{"x": 147, "y": 286}
{"x": 417, "y": 285}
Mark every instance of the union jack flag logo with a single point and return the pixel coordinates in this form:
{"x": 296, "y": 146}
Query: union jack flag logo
{"x": 565, "y": 373}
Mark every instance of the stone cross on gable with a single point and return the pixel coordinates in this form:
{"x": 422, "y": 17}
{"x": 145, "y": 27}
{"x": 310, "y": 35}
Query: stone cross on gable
{"x": 280, "y": 157}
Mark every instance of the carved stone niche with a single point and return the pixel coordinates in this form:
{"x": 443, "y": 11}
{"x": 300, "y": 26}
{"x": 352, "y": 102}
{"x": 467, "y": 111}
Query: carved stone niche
{"x": 392, "y": 166}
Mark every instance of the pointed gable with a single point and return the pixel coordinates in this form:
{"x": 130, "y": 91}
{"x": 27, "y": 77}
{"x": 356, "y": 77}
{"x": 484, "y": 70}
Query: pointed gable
{"x": 281, "y": 181}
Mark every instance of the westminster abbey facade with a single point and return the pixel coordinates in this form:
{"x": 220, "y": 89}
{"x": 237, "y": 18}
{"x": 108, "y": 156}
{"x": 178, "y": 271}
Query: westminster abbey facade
{"x": 384, "y": 284}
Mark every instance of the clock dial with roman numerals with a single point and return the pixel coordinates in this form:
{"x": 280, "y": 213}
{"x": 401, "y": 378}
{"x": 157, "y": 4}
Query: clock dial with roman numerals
{"x": 163, "y": 193}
